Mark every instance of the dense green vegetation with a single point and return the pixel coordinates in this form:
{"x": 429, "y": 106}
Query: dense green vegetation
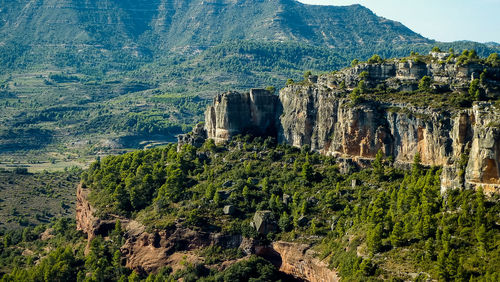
{"x": 396, "y": 220}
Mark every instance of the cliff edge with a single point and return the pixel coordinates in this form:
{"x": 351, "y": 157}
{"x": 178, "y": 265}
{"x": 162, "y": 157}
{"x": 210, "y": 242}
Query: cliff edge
{"x": 321, "y": 113}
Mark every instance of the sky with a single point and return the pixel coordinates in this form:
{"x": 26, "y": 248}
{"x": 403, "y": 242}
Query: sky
{"x": 442, "y": 20}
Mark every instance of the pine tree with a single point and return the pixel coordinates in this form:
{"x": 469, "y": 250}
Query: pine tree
{"x": 303, "y": 208}
{"x": 416, "y": 167}
{"x": 481, "y": 238}
{"x": 426, "y": 227}
{"x": 445, "y": 239}
{"x": 265, "y": 185}
{"x": 429, "y": 249}
{"x": 122, "y": 198}
{"x": 480, "y": 209}
{"x": 210, "y": 191}
{"x": 452, "y": 264}
{"x": 461, "y": 273}
{"x": 378, "y": 166}
{"x": 425, "y": 84}
{"x": 397, "y": 235}
{"x": 284, "y": 222}
{"x": 245, "y": 193}
{"x": 441, "y": 266}
{"x": 474, "y": 86}
{"x": 307, "y": 171}
{"x": 374, "y": 239}
{"x": 216, "y": 198}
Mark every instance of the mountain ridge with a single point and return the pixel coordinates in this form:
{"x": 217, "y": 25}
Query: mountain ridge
{"x": 142, "y": 27}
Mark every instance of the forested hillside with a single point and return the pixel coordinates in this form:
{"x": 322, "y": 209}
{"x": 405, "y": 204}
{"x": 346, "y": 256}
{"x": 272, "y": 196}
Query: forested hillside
{"x": 379, "y": 223}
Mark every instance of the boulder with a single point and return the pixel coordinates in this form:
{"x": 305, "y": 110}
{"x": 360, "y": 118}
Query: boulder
{"x": 229, "y": 210}
{"x": 264, "y": 223}
{"x": 195, "y": 138}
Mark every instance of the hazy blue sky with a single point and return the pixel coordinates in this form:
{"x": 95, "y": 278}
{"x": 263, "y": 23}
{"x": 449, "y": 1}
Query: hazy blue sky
{"x": 443, "y": 20}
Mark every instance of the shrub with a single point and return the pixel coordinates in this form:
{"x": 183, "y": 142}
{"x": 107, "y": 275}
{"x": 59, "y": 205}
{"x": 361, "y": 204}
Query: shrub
{"x": 271, "y": 89}
{"x": 21, "y": 170}
{"x": 425, "y": 84}
{"x": 307, "y": 74}
{"x": 493, "y": 60}
{"x": 375, "y": 59}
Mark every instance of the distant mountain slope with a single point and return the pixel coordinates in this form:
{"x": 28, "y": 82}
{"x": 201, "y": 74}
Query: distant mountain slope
{"x": 48, "y": 31}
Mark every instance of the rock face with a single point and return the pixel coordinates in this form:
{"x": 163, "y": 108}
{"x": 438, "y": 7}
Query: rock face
{"x": 150, "y": 251}
{"x": 483, "y": 167}
{"x": 194, "y": 138}
{"x": 299, "y": 261}
{"x": 319, "y": 115}
{"x": 233, "y": 113}
{"x": 86, "y": 221}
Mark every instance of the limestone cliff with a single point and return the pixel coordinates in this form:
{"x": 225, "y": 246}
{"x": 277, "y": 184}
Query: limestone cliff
{"x": 234, "y": 113}
{"x": 86, "y": 221}
{"x": 319, "y": 114}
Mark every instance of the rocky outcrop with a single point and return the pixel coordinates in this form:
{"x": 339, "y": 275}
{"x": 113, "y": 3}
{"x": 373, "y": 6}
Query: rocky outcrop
{"x": 318, "y": 114}
{"x": 150, "y": 251}
{"x": 195, "y": 138}
{"x": 86, "y": 221}
{"x": 298, "y": 260}
{"x": 405, "y": 74}
{"x": 146, "y": 251}
{"x": 234, "y": 113}
{"x": 483, "y": 167}
{"x": 264, "y": 222}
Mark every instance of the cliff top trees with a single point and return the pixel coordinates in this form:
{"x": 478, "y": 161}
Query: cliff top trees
{"x": 375, "y": 59}
{"x": 493, "y": 59}
{"x": 425, "y": 84}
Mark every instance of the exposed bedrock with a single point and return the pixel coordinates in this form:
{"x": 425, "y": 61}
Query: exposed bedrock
{"x": 234, "y": 113}
{"x": 317, "y": 114}
{"x": 299, "y": 261}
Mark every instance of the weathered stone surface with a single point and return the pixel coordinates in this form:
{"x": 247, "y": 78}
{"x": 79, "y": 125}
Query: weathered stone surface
{"x": 298, "y": 260}
{"x": 287, "y": 199}
{"x": 229, "y": 210}
{"x": 86, "y": 221}
{"x": 318, "y": 115}
{"x": 234, "y": 113}
{"x": 333, "y": 127}
{"x": 264, "y": 222}
{"x": 195, "y": 138}
{"x": 483, "y": 168}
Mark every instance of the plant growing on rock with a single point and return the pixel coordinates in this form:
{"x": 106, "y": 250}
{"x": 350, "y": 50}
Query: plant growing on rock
{"x": 425, "y": 84}
{"x": 493, "y": 60}
{"x": 375, "y": 59}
